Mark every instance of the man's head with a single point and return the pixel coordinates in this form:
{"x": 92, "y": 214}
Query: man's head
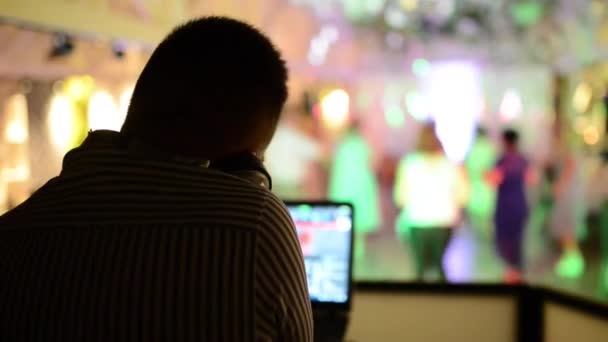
{"x": 481, "y": 132}
{"x": 428, "y": 141}
{"x": 213, "y": 87}
{"x": 510, "y": 138}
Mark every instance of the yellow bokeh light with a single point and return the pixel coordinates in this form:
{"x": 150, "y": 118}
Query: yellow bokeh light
{"x": 591, "y": 136}
{"x": 20, "y": 173}
{"x": 582, "y": 97}
{"x": 79, "y": 88}
{"x": 103, "y": 112}
{"x": 124, "y": 102}
{"x": 409, "y": 5}
{"x": 335, "y": 107}
{"x": 61, "y": 122}
{"x": 16, "y": 131}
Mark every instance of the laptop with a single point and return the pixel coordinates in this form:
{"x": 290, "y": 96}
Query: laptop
{"x": 325, "y": 231}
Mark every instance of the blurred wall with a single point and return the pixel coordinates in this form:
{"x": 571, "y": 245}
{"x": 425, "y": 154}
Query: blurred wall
{"x": 441, "y": 317}
{"x": 563, "y": 324}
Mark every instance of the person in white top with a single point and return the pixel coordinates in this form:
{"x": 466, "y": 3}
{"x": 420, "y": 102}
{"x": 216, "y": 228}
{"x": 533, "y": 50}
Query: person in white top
{"x": 289, "y": 158}
{"x": 431, "y": 192}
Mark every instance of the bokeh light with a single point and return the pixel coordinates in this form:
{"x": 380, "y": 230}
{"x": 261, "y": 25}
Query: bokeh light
{"x": 61, "y": 122}
{"x": 374, "y": 7}
{"x": 78, "y": 88}
{"x": 395, "y": 17}
{"x": 335, "y": 107}
{"x": 354, "y": 10}
{"x": 454, "y": 90}
{"x": 526, "y": 13}
{"x": 417, "y": 105}
{"x": 394, "y": 116}
{"x": 591, "y": 136}
{"x": 409, "y": 5}
{"x": 124, "y": 101}
{"x": 583, "y": 94}
{"x": 16, "y": 131}
{"x": 321, "y": 43}
{"x": 441, "y": 11}
{"x": 103, "y": 112}
{"x": 421, "y": 67}
{"x": 511, "y": 106}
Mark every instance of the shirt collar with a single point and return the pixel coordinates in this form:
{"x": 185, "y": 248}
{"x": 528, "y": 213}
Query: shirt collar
{"x": 109, "y": 147}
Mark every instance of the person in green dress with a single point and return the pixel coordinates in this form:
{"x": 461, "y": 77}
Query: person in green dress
{"x": 352, "y": 179}
{"x": 480, "y": 207}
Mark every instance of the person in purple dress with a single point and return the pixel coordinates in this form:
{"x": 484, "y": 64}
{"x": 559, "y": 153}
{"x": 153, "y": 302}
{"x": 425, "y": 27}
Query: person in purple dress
{"x": 510, "y": 175}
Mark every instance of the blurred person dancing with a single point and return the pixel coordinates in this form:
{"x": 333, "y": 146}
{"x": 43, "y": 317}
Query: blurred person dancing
{"x": 352, "y": 179}
{"x": 431, "y": 191}
{"x": 480, "y": 207}
{"x": 510, "y": 175}
{"x": 596, "y": 242}
{"x": 291, "y": 155}
{"x": 567, "y": 214}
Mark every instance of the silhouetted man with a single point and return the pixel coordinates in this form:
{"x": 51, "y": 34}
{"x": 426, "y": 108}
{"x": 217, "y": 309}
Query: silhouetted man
{"x": 158, "y": 233}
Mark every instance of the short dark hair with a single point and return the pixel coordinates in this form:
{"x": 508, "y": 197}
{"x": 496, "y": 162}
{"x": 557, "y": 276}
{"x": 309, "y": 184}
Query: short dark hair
{"x": 481, "y": 132}
{"x": 510, "y": 137}
{"x": 214, "y": 86}
{"x": 428, "y": 141}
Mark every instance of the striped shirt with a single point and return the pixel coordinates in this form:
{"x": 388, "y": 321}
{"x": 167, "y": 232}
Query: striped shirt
{"x": 124, "y": 248}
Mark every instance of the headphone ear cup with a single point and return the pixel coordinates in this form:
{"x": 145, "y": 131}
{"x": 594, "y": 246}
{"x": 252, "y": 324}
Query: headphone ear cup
{"x": 245, "y": 165}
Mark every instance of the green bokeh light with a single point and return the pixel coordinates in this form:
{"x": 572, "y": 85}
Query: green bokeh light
{"x": 571, "y": 265}
{"x": 526, "y": 13}
{"x": 421, "y": 67}
{"x": 305, "y": 208}
{"x": 394, "y": 116}
{"x": 417, "y": 106}
{"x": 354, "y": 10}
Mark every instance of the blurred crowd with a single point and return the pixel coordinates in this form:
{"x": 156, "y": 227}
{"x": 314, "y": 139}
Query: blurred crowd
{"x": 497, "y": 192}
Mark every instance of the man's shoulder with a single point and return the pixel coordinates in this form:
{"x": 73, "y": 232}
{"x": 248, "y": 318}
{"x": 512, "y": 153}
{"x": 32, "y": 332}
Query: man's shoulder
{"x": 274, "y": 206}
{"x": 211, "y": 197}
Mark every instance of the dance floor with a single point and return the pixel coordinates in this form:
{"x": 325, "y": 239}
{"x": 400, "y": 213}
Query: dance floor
{"x": 471, "y": 258}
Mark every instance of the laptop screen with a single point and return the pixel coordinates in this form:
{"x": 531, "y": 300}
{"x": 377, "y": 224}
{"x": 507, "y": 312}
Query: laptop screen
{"x": 325, "y": 231}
